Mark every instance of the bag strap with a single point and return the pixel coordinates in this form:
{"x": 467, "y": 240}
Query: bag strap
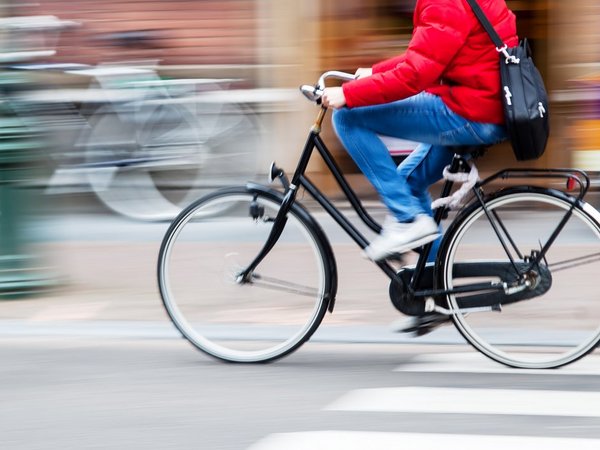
{"x": 500, "y": 45}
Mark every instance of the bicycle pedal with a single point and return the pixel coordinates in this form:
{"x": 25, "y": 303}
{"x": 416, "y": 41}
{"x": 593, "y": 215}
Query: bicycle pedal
{"x": 394, "y": 257}
{"x": 420, "y": 325}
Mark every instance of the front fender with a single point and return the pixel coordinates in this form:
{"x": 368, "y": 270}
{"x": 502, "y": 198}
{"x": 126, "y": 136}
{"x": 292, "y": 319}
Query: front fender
{"x": 320, "y": 236}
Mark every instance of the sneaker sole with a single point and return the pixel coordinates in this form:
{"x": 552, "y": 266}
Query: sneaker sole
{"x": 405, "y": 248}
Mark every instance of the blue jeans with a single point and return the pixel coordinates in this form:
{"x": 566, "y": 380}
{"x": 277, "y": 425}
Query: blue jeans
{"x": 422, "y": 118}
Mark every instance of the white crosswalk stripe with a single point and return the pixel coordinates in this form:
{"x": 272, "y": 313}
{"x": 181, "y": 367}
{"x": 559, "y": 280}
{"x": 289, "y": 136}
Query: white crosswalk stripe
{"x": 471, "y": 401}
{"x": 473, "y": 362}
{"x": 359, "y": 440}
{"x": 450, "y": 400}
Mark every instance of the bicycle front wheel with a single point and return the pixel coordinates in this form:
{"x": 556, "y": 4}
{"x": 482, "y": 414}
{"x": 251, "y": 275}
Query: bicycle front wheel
{"x": 263, "y": 319}
{"x": 556, "y": 319}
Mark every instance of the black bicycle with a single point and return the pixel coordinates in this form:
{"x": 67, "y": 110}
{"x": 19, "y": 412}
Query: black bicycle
{"x": 517, "y": 270}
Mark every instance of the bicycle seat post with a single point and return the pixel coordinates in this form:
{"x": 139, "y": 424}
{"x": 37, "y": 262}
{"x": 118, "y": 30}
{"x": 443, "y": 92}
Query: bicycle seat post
{"x": 458, "y": 162}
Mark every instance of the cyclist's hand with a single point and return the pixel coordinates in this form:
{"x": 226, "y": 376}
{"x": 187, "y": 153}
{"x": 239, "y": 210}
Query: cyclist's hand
{"x": 363, "y": 72}
{"x": 333, "y": 97}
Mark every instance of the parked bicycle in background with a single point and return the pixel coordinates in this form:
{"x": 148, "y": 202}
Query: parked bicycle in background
{"x": 144, "y": 144}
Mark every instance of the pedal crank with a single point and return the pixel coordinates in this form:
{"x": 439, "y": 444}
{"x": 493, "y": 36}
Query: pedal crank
{"x": 474, "y": 309}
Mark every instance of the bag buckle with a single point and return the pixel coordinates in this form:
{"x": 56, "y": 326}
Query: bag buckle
{"x": 509, "y": 58}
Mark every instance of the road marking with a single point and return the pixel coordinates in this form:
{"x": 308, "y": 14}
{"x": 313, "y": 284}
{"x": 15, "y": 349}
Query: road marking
{"x": 471, "y": 401}
{"x": 358, "y": 440}
{"x": 474, "y": 362}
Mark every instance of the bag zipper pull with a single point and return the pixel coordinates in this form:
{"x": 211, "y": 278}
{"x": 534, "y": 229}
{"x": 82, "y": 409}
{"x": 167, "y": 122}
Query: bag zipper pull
{"x": 508, "y": 96}
{"x": 541, "y": 109}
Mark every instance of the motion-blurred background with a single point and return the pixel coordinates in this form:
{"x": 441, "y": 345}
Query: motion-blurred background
{"x": 280, "y": 44}
{"x": 115, "y": 114}
{"x": 135, "y": 108}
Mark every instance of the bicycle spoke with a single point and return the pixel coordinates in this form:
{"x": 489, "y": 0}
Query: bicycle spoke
{"x": 282, "y": 285}
{"x": 574, "y": 262}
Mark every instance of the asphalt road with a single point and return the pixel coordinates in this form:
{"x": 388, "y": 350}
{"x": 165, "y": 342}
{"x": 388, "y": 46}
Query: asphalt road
{"x": 96, "y": 364}
{"x": 116, "y": 393}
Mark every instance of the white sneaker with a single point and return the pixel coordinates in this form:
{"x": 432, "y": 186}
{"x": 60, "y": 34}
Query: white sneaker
{"x": 399, "y": 237}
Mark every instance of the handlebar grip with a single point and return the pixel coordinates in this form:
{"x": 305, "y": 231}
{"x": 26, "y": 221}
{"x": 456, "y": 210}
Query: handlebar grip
{"x": 314, "y": 93}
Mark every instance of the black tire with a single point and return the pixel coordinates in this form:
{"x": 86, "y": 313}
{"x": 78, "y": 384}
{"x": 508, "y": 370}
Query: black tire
{"x": 560, "y": 322}
{"x": 260, "y": 321}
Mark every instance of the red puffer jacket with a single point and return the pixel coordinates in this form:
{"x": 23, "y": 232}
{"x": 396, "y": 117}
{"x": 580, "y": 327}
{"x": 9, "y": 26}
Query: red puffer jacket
{"x": 449, "y": 55}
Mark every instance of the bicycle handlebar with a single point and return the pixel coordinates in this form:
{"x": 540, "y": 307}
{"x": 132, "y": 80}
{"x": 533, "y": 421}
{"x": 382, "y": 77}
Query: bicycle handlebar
{"x": 334, "y": 74}
{"x": 314, "y": 93}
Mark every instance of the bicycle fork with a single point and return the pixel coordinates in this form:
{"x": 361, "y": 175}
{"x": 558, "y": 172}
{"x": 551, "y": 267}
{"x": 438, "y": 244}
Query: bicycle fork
{"x": 291, "y": 190}
{"x": 245, "y": 276}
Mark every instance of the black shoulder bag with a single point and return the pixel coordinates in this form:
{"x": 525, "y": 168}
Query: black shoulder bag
{"x": 524, "y": 96}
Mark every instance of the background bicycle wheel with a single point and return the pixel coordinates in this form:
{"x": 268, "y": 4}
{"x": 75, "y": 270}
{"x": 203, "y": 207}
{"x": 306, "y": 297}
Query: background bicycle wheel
{"x": 150, "y": 160}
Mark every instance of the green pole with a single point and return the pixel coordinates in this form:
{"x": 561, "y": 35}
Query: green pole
{"x": 20, "y": 144}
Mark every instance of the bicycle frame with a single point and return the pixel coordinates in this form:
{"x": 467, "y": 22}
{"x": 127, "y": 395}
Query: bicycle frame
{"x": 299, "y": 178}
{"x": 459, "y": 163}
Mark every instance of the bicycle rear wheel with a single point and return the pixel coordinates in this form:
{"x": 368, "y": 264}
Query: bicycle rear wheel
{"x": 202, "y": 255}
{"x": 560, "y": 322}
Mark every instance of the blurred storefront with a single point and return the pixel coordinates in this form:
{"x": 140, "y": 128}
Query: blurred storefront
{"x": 574, "y": 54}
{"x": 285, "y": 43}
{"x": 565, "y": 39}
{"x": 361, "y": 32}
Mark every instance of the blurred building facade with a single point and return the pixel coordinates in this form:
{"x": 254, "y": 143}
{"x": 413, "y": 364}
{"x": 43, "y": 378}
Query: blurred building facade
{"x": 285, "y": 43}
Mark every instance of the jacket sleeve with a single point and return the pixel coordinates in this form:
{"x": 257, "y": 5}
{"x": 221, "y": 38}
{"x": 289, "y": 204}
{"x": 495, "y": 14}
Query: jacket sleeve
{"x": 441, "y": 30}
{"x": 388, "y": 64}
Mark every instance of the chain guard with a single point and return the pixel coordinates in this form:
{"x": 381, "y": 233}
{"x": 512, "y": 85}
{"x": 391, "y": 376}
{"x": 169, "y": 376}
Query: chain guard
{"x": 540, "y": 276}
{"x": 405, "y": 301}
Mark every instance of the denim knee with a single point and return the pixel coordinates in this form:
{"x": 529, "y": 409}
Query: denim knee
{"x": 341, "y": 119}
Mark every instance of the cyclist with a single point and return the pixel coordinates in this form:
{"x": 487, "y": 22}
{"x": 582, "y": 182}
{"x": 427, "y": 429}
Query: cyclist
{"x": 443, "y": 91}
